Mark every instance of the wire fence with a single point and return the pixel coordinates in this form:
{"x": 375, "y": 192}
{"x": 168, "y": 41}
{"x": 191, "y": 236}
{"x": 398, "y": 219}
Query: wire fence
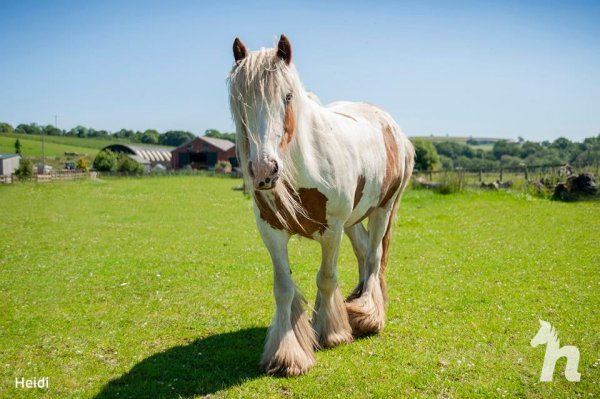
{"x": 505, "y": 174}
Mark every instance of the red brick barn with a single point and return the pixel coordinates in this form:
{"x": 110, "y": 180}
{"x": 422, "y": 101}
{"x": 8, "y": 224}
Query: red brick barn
{"x": 203, "y": 153}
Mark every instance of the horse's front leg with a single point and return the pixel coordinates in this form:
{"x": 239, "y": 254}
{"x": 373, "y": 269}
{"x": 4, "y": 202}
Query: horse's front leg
{"x": 330, "y": 320}
{"x": 290, "y": 343}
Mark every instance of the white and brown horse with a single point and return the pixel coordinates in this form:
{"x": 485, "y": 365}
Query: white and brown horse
{"x": 317, "y": 171}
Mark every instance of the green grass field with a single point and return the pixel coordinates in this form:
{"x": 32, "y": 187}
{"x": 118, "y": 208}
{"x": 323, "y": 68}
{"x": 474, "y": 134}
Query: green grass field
{"x": 161, "y": 288}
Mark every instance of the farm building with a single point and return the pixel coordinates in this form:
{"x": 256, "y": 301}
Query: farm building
{"x": 9, "y": 164}
{"x": 203, "y": 153}
{"x": 148, "y": 155}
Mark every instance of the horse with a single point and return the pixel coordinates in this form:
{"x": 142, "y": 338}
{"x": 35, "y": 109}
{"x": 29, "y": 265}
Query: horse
{"x": 318, "y": 172}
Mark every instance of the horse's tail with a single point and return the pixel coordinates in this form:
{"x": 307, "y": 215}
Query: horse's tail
{"x": 385, "y": 243}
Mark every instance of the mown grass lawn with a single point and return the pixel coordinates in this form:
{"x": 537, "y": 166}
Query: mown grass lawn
{"x": 161, "y": 288}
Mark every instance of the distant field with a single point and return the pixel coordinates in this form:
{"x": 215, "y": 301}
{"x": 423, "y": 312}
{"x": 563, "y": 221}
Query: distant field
{"x": 55, "y": 147}
{"x": 32, "y": 148}
{"x": 161, "y": 288}
{"x": 488, "y": 141}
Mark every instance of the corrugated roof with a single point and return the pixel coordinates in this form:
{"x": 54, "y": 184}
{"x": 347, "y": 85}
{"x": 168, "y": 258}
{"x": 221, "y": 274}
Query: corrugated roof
{"x": 149, "y": 153}
{"x": 6, "y": 156}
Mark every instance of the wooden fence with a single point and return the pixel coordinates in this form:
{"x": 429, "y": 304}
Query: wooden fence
{"x": 61, "y": 176}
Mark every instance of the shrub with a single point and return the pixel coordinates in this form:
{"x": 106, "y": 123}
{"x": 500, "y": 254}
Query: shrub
{"x": 25, "y": 169}
{"x": 106, "y": 161}
{"x": 223, "y": 167}
{"x": 451, "y": 183}
{"x": 128, "y": 165}
{"x": 82, "y": 164}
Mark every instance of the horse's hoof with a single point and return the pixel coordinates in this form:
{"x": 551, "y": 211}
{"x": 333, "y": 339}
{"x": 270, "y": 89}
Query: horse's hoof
{"x": 335, "y": 339}
{"x": 287, "y": 367}
{"x": 364, "y": 320}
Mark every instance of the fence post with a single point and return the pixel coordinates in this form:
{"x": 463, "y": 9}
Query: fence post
{"x": 500, "y": 173}
{"x": 480, "y": 175}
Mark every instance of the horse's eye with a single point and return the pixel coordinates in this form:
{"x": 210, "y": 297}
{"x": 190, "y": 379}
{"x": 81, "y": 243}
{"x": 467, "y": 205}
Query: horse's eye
{"x": 288, "y": 98}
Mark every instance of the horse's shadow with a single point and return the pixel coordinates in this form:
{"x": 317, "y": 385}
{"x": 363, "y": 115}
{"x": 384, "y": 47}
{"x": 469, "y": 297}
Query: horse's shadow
{"x": 202, "y": 367}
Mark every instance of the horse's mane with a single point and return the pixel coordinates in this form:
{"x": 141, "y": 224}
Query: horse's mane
{"x": 262, "y": 75}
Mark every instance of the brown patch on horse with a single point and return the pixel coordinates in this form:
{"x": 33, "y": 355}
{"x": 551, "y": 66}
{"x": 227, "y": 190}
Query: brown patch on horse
{"x": 289, "y": 126}
{"x": 358, "y": 193}
{"x": 239, "y": 50}
{"x": 312, "y": 201}
{"x": 393, "y": 176}
{"x": 266, "y": 212}
{"x": 284, "y": 49}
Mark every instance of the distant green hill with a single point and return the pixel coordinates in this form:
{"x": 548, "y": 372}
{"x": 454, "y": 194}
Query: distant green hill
{"x": 55, "y": 147}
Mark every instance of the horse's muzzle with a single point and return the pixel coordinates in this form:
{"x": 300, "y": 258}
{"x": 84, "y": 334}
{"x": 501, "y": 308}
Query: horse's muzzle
{"x": 264, "y": 174}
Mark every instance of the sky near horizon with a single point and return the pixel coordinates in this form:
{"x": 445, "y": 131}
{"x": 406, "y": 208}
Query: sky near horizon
{"x": 483, "y": 69}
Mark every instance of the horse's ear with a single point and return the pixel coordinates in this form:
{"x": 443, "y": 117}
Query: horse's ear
{"x": 284, "y": 49}
{"x": 239, "y": 50}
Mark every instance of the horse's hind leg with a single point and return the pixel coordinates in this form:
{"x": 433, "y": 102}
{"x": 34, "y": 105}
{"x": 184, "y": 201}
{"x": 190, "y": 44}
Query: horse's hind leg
{"x": 330, "y": 320}
{"x": 290, "y": 343}
{"x": 359, "y": 237}
{"x": 366, "y": 306}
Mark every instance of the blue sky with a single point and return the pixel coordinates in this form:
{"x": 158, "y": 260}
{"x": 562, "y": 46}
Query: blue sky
{"x": 502, "y": 69}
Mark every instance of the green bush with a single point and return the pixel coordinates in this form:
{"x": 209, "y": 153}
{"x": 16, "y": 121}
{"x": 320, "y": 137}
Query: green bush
{"x": 128, "y": 165}
{"x": 25, "y": 170}
{"x": 106, "y": 161}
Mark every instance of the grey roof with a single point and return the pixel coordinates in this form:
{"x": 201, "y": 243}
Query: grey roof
{"x": 224, "y": 145}
{"x": 149, "y": 153}
{"x": 6, "y": 156}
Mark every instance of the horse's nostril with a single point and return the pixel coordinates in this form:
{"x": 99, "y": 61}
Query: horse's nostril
{"x": 261, "y": 184}
{"x": 267, "y": 180}
{"x": 275, "y": 167}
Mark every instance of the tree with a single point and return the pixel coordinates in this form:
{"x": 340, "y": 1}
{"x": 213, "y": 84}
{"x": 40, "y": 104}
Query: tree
{"x": 150, "y": 136}
{"x": 106, "y": 161}
{"x": 32, "y": 128}
{"x": 426, "y": 156}
{"x": 25, "y": 169}
{"x": 6, "y": 128}
{"x": 503, "y": 147}
{"x": 453, "y": 150}
{"x": 561, "y": 143}
{"x": 175, "y": 138}
{"x": 50, "y": 130}
{"x": 219, "y": 135}
{"x": 18, "y": 146}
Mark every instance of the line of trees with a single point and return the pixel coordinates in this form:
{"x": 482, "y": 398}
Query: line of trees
{"x": 451, "y": 155}
{"x": 151, "y": 136}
